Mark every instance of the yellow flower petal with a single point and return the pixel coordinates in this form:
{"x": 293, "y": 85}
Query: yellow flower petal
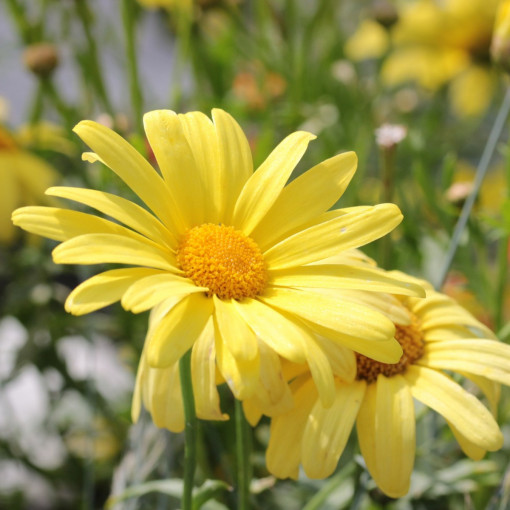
{"x": 203, "y": 372}
{"x": 235, "y": 159}
{"x": 366, "y": 427}
{"x": 395, "y": 442}
{"x": 283, "y": 452}
{"x": 274, "y": 328}
{"x": 265, "y": 185}
{"x": 464, "y": 411}
{"x": 327, "y": 430}
{"x": 325, "y": 239}
{"x": 61, "y": 224}
{"x": 472, "y": 450}
{"x": 321, "y": 371}
{"x": 338, "y": 316}
{"x": 242, "y": 376}
{"x": 239, "y": 338}
{"x": 113, "y": 248}
{"x": 178, "y": 330}
{"x": 147, "y": 292}
{"x": 305, "y": 198}
{"x": 185, "y": 191}
{"x": 488, "y": 358}
{"x": 341, "y": 276}
{"x": 201, "y": 135}
{"x": 121, "y": 210}
{"x": 123, "y": 159}
{"x": 104, "y": 289}
{"x": 341, "y": 359}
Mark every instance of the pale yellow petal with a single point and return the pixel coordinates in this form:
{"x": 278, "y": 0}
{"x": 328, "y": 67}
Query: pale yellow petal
{"x": 321, "y": 371}
{"x": 186, "y": 190}
{"x": 274, "y": 328}
{"x": 327, "y": 430}
{"x": 305, "y": 198}
{"x": 242, "y": 376}
{"x": 340, "y": 276}
{"x": 162, "y": 397}
{"x": 350, "y": 230}
{"x": 487, "y": 358}
{"x": 104, "y": 289}
{"x": 113, "y": 248}
{"x": 337, "y": 315}
{"x": 120, "y": 209}
{"x": 472, "y": 450}
{"x": 491, "y": 389}
{"x": 366, "y": 427}
{"x": 235, "y": 159}
{"x": 464, "y": 411}
{"x": 395, "y": 441}
{"x": 273, "y": 396}
{"x": 341, "y": 359}
{"x": 178, "y": 330}
{"x": 201, "y": 135}
{"x": 240, "y": 339}
{"x": 147, "y": 292}
{"x": 62, "y": 224}
{"x": 265, "y": 184}
{"x": 203, "y": 372}
{"x": 283, "y": 453}
{"x": 123, "y": 159}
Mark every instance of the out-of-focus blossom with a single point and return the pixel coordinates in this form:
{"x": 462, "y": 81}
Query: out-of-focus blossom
{"x": 24, "y": 178}
{"x": 257, "y": 86}
{"x": 500, "y": 46}
{"x": 371, "y": 40}
{"x": 438, "y": 43}
{"x": 389, "y": 135}
{"x": 41, "y": 58}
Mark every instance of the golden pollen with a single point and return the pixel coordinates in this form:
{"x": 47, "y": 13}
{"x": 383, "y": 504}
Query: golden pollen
{"x": 223, "y": 259}
{"x": 410, "y": 338}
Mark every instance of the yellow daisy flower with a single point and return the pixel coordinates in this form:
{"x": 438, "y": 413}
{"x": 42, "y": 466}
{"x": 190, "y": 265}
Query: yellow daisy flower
{"x": 223, "y": 243}
{"x": 24, "y": 177}
{"x": 439, "y": 336}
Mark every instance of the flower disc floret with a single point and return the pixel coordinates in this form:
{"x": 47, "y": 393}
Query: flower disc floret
{"x": 411, "y": 340}
{"x": 223, "y": 259}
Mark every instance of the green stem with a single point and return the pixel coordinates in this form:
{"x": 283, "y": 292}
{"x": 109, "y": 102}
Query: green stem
{"x": 190, "y": 431}
{"x": 94, "y": 71}
{"x": 20, "y": 19}
{"x": 388, "y": 181}
{"x": 37, "y": 105}
{"x": 501, "y": 279}
{"x": 65, "y": 111}
{"x": 483, "y": 166}
{"x": 243, "y": 451}
{"x": 128, "y": 18}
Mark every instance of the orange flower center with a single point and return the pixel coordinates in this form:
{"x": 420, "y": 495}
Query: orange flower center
{"x": 410, "y": 338}
{"x": 223, "y": 259}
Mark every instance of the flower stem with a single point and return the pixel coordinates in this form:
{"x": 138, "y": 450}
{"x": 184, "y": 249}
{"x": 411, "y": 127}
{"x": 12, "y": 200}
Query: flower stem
{"x": 483, "y": 166}
{"x": 94, "y": 71}
{"x": 388, "y": 181}
{"x": 243, "y": 451}
{"x": 190, "y": 431}
{"x": 128, "y": 19}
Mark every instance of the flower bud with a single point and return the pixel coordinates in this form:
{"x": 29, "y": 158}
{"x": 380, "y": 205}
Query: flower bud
{"x": 500, "y": 45}
{"x": 41, "y": 58}
{"x": 385, "y": 13}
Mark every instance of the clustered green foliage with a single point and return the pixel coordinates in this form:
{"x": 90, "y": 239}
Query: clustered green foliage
{"x": 277, "y": 66}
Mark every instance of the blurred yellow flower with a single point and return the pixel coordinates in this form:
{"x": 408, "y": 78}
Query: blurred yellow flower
{"x": 24, "y": 177}
{"x": 225, "y": 244}
{"x": 439, "y": 337}
{"x": 437, "y": 43}
{"x": 500, "y": 46}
